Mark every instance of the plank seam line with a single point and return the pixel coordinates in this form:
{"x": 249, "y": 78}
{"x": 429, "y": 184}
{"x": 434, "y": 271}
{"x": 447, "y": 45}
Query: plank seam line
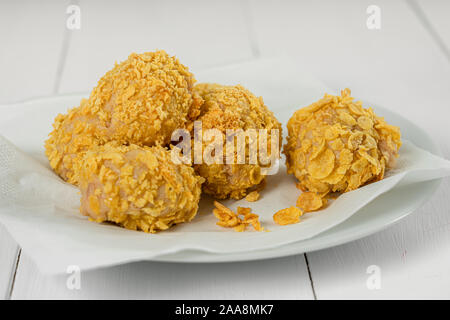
{"x": 63, "y": 54}
{"x": 310, "y": 277}
{"x": 249, "y": 24}
{"x": 429, "y": 27}
{"x": 59, "y": 70}
{"x": 13, "y": 280}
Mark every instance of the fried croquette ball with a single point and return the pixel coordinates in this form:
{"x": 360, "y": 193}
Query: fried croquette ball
{"x": 142, "y": 100}
{"x": 138, "y": 188}
{"x": 73, "y": 135}
{"x": 233, "y": 108}
{"x": 335, "y": 145}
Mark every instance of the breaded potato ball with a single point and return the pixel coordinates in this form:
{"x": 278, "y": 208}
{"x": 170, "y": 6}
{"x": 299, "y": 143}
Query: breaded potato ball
{"x": 335, "y": 145}
{"x": 73, "y": 135}
{"x": 233, "y": 108}
{"x": 138, "y": 188}
{"x": 142, "y": 100}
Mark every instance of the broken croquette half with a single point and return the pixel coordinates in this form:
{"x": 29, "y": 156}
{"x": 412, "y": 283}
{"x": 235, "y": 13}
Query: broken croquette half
{"x": 287, "y": 216}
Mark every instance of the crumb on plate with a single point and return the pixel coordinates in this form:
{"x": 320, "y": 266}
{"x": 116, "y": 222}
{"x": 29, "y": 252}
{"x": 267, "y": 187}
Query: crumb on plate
{"x": 287, "y": 216}
{"x": 252, "y": 196}
{"x": 229, "y": 219}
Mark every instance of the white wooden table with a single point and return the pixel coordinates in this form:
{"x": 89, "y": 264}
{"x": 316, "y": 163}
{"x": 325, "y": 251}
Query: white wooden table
{"x": 405, "y": 66}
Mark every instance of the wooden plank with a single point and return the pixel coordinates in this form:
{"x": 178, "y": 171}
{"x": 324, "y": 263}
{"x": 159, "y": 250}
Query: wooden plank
{"x": 8, "y": 256}
{"x": 413, "y": 258}
{"x": 200, "y": 33}
{"x": 334, "y": 41}
{"x": 436, "y": 13}
{"x": 31, "y": 35}
{"x": 285, "y": 278}
{"x": 399, "y": 67}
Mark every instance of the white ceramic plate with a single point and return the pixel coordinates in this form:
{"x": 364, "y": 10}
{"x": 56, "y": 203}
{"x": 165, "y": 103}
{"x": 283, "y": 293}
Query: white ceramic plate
{"x": 379, "y": 214}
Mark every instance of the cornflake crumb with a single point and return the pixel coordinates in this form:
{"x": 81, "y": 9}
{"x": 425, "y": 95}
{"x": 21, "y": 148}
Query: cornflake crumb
{"x": 252, "y": 196}
{"x": 287, "y": 216}
{"x": 230, "y": 219}
{"x": 310, "y": 201}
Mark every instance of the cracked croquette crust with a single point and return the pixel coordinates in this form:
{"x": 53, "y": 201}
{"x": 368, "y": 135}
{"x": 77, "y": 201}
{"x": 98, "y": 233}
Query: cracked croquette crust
{"x": 232, "y": 107}
{"x": 138, "y": 188}
{"x": 142, "y": 100}
{"x": 335, "y": 145}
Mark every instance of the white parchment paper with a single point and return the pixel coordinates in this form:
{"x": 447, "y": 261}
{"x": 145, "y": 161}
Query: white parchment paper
{"x": 41, "y": 211}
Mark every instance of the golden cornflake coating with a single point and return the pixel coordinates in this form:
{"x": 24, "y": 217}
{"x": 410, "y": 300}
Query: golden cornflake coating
{"x": 73, "y": 135}
{"x": 335, "y": 145}
{"x": 138, "y": 188}
{"x": 229, "y": 219}
{"x": 287, "y": 216}
{"x": 310, "y": 201}
{"x": 142, "y": 100}
{"x": 233, "y": 108}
